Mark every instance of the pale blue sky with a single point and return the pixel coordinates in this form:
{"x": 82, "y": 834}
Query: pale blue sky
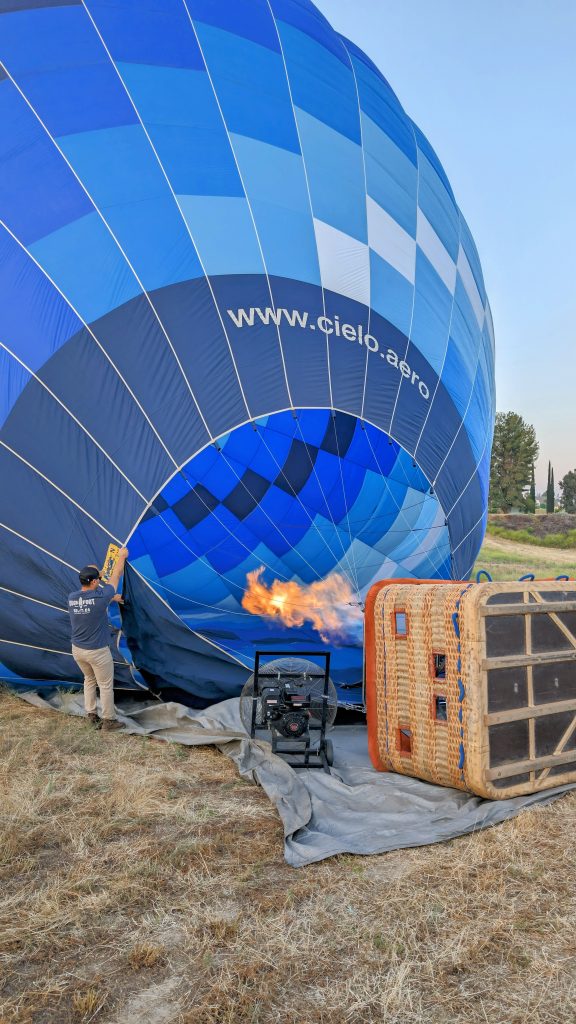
{"x": 493, "y": 86}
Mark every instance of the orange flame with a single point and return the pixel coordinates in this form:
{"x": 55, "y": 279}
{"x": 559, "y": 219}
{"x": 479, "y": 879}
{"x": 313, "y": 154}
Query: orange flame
{"x": 329, "y": 605}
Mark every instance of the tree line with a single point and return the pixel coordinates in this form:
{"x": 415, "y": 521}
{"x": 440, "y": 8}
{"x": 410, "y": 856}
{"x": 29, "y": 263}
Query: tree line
{"x": 512, "y": 482}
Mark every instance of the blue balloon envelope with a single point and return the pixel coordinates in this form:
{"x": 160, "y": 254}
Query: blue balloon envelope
{"x": 243, "y": 326}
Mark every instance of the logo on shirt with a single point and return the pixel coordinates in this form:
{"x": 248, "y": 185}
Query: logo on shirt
{"x": 81, "y": 605}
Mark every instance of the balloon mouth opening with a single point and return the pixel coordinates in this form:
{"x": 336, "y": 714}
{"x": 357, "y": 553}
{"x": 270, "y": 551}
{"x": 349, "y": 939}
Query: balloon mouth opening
{"x": 275, "y": 532}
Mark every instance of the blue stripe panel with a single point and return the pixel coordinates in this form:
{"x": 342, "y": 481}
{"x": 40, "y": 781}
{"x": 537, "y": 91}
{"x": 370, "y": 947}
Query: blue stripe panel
{"x": 457, "y": 377}
{"x": 223, "y": 232}
{"x": 14, "y": 379}
{"x": 437, "y": 205}
{"x": 79, "y": 99}
{"x": 84, "y": 462}
{"x": 61, "y": 528}
{"x": 476, "y": 417}
{"x": 432, "y": 312}
{"x": 38, "y": 192}
{"x": 276, "y": 187}
{"x": 34, "y": 41}
{"x": 250, "y": 19}
{"x": 321, "y": 83}
{"x": 87, "y": 266}
{"x": 181, "y": 115}
{"x": 473, "y": 259}
{"x": 426, "y": 149}
{"x": 464, "y": 331}
{"x": 391, "y": 178}
{"x": 40, "y": 321}
{"x": 125, "y": 180}
{"x": 336, "y": 176}
{"x": 250, "y": 83}
{"x": 303, "y": 15}
{"x": 147, "y": 34}
{"x": 41, "y": 50}
{"x": 70, "y": 374}
{"x": 380, "y": 104}
{"x": 390, "y": 293}
{"x": 257, "y": 349}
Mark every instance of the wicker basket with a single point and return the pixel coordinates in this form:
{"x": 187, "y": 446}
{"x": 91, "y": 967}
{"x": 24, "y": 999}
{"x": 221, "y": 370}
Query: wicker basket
{"x": 473, "y": 685}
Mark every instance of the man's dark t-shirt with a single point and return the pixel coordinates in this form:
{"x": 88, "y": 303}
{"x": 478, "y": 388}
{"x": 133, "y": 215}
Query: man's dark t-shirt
{"x": 89, "y": 617}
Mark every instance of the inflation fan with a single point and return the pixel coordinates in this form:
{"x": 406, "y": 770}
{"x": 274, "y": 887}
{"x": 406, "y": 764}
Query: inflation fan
{"x": 293, "y": 699}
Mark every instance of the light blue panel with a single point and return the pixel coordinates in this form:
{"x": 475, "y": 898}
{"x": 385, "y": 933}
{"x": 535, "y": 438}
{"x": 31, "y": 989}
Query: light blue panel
{"x": 288, "y": 242}
{"x": 180, "y": 112}
{"x": 154, "y": 237}
{"x": 390, "y": 293}
{"x": 314, "y": 549}
{"x": 223, "y": 233}
{"x": 390, "y": 176}
{"x": 456, "y": 378}
{"x": 273, "y": 175}
{"x": 438, "y": 206}
{"x": 432, "y": 310}
{"x": 275, "y": 185}
{"x": 361, "y": 557}
{"x": 145, "y": 565}
{"x": 200, "y": 580}
{"x": 335, "y": 171}
{"x": 465, "y": 331}
{"x": 88, "y": 267}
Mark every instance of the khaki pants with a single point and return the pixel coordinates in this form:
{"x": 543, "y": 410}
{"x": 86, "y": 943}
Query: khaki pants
{"x": 97, "y": 668}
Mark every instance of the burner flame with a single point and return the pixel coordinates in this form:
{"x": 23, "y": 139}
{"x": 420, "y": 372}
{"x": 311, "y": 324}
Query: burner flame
{"x": 330, "y": 605}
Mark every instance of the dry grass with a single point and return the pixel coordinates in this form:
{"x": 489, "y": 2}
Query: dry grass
{"x": 144, "y": 883}
{"x": 508, "y": 560}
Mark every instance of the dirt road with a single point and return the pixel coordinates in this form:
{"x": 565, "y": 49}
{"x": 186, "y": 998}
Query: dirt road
{"x": 533, "y": 552}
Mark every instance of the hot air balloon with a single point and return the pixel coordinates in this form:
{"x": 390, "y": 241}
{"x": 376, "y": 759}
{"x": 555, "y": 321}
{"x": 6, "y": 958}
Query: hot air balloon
{"x": 243, "y": 329}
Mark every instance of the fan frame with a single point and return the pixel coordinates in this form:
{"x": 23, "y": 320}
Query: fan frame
{"x": 306, "y": 756}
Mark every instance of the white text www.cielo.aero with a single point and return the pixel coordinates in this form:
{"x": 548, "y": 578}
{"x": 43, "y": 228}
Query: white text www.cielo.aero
{"x": 327, "y": 325}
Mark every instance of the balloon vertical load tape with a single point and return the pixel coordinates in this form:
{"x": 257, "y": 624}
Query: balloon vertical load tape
{"x": 110, "y": 562}
{"x": 473, "y": 685}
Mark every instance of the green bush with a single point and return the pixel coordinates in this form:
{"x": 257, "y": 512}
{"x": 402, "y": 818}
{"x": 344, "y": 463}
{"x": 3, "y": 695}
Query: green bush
{"x": 553, "y": 540}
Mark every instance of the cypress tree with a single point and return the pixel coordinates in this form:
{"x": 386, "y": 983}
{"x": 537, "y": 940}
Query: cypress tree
{"x": 531, "y": 503}
{"x": 550, "y": 489}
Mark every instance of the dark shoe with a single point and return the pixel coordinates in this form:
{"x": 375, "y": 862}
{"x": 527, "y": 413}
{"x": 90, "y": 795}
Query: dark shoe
{"x": 94, "y": 719}
{"x": 110, "y": 725}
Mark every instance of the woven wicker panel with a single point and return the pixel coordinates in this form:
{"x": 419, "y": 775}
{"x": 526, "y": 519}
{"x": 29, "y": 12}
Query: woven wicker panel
{"x": 494, "y": 754}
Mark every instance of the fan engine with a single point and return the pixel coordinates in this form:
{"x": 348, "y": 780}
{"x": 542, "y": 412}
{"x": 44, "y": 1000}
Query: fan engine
{"x": 293, "y": 699}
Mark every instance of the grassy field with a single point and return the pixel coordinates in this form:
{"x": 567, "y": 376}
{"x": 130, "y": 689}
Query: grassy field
{"x": 144, "y": 883}
{"x": 508, "y": 560}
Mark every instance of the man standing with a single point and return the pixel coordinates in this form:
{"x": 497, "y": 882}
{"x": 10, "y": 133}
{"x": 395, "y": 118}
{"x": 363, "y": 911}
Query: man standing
{"x": 88, "y": 608}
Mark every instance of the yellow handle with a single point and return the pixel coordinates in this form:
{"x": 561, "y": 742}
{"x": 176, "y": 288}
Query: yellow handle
{"x": 110, "y": 561}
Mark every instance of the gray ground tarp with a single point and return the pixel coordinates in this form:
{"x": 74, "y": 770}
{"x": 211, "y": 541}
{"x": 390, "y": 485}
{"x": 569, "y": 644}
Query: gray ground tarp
{"x": 353, "y": 810}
